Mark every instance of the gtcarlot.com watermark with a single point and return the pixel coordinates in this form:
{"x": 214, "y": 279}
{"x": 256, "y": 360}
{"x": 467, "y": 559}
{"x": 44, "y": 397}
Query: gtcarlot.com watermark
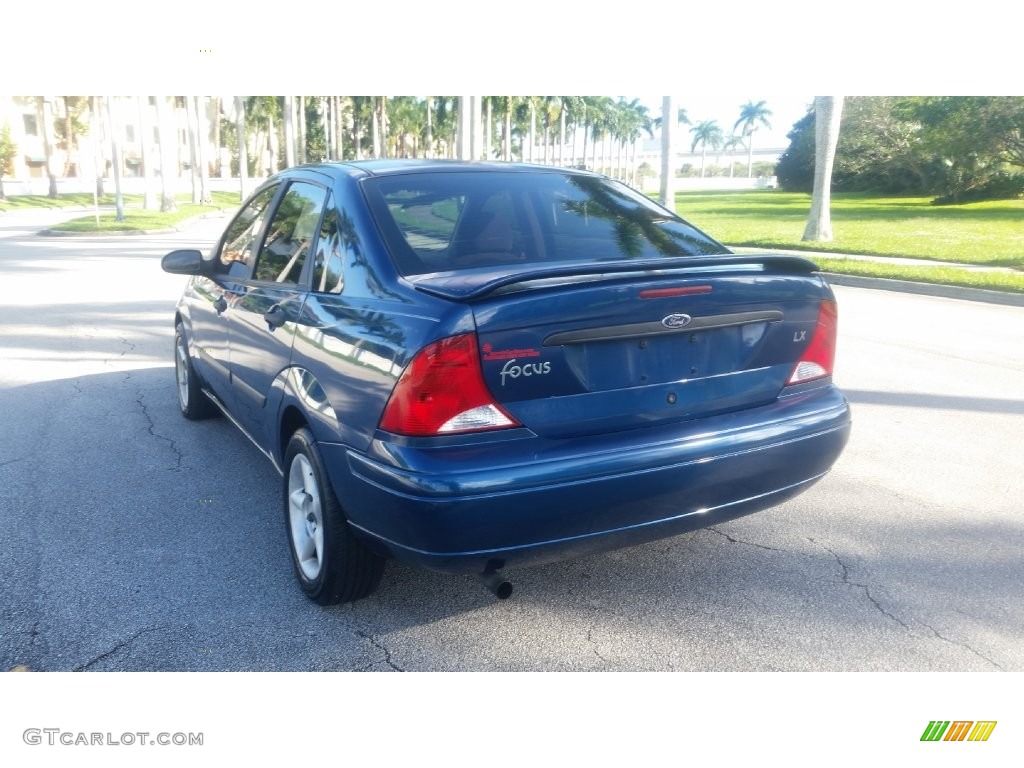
{"x": 56, "y": 736}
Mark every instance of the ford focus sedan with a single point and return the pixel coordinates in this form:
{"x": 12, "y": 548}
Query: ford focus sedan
{"x": 474, "y": 367}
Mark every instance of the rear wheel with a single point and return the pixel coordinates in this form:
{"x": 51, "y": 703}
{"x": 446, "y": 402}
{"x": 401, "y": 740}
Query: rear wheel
{"x": 331, "y": 564}
{"x": 194, "y": 403}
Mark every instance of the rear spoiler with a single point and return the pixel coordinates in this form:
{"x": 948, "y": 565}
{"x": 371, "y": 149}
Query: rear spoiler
{"x": 463, "y": 285}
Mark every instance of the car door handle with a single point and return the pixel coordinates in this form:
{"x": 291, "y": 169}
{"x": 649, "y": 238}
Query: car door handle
{"x": 220, "y": 304}
{"x": 275, "y": 317}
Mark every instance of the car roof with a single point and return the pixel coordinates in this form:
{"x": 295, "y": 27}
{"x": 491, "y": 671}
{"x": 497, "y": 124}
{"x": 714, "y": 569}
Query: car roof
{"x": 404, "y": 166}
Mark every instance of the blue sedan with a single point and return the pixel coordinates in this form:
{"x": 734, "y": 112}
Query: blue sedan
{"x": 472, "y": 367}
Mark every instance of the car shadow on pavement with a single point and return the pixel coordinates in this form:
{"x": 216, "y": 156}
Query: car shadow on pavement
{"x": 139, "y": 541}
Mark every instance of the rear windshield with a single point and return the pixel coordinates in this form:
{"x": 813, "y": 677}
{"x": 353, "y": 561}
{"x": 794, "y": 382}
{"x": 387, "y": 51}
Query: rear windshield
{"x": 435, "y": 222}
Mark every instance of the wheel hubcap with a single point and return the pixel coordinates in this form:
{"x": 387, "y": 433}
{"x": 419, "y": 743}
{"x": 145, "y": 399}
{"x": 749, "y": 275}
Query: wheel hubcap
{"x": 305, "y": 517}
{"x": 181, "y": 368}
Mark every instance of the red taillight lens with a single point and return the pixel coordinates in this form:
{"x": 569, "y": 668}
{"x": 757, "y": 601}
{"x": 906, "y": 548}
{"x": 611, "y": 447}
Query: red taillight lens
{"x": 442, "y": 392}
{"x": 819, "y": 358}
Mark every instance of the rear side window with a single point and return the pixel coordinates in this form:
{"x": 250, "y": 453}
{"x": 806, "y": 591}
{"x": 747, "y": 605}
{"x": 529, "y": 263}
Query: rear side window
{"x": 452, "y": 220}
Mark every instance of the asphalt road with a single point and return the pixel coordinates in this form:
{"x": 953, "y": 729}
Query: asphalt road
{"x": 131, "y": 539}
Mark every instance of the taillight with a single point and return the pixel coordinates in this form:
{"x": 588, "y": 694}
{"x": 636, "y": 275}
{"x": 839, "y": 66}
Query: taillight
{"x": 819, "y": 357}
{"x": 442, "y": 392}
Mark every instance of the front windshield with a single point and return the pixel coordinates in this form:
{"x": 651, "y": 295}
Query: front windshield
{"x": 436, "y": 222}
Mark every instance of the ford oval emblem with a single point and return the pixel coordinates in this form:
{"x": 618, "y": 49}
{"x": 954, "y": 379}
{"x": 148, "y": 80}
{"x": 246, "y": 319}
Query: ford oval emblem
{"x": 676, "y": 321}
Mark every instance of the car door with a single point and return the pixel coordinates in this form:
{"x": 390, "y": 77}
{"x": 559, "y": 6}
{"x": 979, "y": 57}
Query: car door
{"x": 213, "y": 296}
{"x": 264, "y": 313}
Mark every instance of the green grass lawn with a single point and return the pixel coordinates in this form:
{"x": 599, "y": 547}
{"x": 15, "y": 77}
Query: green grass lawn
{"x": 995, "y": 281}
{"x": 990, "y": 233}
{"x": 137, "y": 220}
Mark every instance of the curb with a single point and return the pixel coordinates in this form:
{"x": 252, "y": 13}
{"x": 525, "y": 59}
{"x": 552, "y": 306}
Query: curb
{"x": 181, "y": 227}
{"x": 927, "y": 289}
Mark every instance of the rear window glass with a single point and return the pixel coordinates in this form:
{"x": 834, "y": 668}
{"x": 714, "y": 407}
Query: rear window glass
{"x": 436, "y": 222}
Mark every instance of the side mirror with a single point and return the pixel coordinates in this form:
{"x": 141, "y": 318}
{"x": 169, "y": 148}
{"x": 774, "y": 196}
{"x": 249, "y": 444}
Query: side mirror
{"x": 183, "y": 262}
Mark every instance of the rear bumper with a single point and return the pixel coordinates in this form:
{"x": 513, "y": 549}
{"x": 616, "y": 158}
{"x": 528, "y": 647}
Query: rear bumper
{"x": 469, "y": 506}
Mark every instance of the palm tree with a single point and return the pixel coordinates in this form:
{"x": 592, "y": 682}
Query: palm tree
{"x": 243, "y": 152}
{"x": 729, "y": 144}
{"x": 704, "y": 133}
{"x": 289, "y": 131}
{"x": 202, "y": 148}
{"x": 115, "y": 156}
{"x": 752, "y": 116}
{"x": 44, "y": 116}
{"x": 828, "y": 111}
{"x": 148, "y": 203}
{"x": 668, "y": 152}
{"x": 165, "y": 137}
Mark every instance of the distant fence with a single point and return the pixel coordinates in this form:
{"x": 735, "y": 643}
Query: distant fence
{"x": 710, "y": 183}
{"x": 130, "y": 185}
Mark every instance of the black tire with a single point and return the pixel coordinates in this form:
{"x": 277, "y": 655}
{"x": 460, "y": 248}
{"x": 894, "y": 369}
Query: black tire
{"x": 194, "y": 403}
{"x": 331, "y": 564}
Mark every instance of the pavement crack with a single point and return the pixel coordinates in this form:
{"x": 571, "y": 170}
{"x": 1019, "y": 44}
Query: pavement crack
{"x": 747, "y": 543}
{"x": 980, "y": 655}
{"x": 381, "y": 647}
{"x": 864, "y": 587}
{"x": 118, "y": 647}
{"x": 151, "y": 428}
{"x": 593, "y": 642}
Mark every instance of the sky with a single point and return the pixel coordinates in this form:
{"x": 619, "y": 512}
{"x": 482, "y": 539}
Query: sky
{"x": 724, "y": 108}
{"x": 783, "y": 52}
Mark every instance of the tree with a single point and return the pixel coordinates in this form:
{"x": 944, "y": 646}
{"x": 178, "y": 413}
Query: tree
{"x": 8, "y": 151}
{"x": 704, "y": 133}
{"x": 795, "y": 169}
{"x": 243, "y": 152}
{"x": 148, "y": 202}
{"x": 289, "y": 131}
{"x": 668, "y": 152}
{"x": 166, "y": 138}
{"x": 828, "y": 111}
{"x": 115, "y": 157}
{"x": 752, "y": 116}
{"x": 969, "y": 141}
{"x": 44, "y": 116}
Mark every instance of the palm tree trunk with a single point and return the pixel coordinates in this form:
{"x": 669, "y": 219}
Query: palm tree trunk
{"x": 272, "y": 146}
{"x": 301, "y": 154}
{"x": 533, "y": 127}
{"x": 507, "y": 137}
{"x": 148, "y": 203}
{"x": 164, "y": 134}
{"x": 374, "y": 126}
{"x": 218, "y": 165}
{"x": 192, "y": 150}
{"x": 828, "y": 111}
{"x": 339, "y": 129}
{"x": 97, "y": 129}
{"x": 668, "y": 151}
{"x": 243, "y": 152}
{"x": 750, "y": 155}
{"x": 561, "y": 135}
{"x": 116, "y": 163}
{"x": 429, "y": 149}
{"x": 487, "y": 130}
{"x": 325, "y": 124}
{"x": 202, "y": 148}
{"x": 289, "y": 131}
{"x": 69, "y": 135}
{"x": 44, "y": 114}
